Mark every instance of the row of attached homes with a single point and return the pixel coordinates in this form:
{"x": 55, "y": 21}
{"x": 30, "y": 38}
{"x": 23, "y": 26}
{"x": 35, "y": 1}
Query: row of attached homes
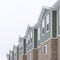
{"x": 42, "y": 41}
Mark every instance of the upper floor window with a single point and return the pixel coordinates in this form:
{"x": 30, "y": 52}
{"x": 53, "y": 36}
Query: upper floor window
{"x": 45, "y": 49}
{"x": 28, "y": 38}
{"x": 43, "y": 26}
{"x": 38, "y": 33}
{"x": 47, "y": 22}
{"x": 26, "y": 41}
{"x": 31, "y": 36}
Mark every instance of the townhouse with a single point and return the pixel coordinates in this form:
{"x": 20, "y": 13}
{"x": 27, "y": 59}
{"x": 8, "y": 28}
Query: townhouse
{"x": 42, "y": 41}
{"x": 31, "y": 45}
{"x": 22, "y": 48}
{"x": 11, "y": 54}
{"x": 57, "y": 6}
{"x": 8, "y": 56}
{"x": 16, "y": 52}
{"x": 46, "y": 34}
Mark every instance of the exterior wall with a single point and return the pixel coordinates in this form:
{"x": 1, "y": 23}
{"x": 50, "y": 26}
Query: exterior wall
{"x": 29, "y": 45}
{"x": 33, "y": 54}
{"x": 24, "y": 57}
{"x": 21, "y": 47}
{"x": 16, "y": 53}
{"x": 51, "y": 52}
{"x": 8, "y": 57}
{"x": 54, "y": 23}
{"x": 58, "y": 18}
{"x": 46, "y": 35}
{"x": 34, "y": 38}
{"x": 58, "y": 48}
{"x": 11, "y": 55}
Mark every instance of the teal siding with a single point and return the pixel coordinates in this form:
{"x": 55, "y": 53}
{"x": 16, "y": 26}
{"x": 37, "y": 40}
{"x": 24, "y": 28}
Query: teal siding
{"x": 54, "y": 23}
{"x": 35, "y": 38}
{"x": 46, "y": 35}
{"x": 29, "y": 47}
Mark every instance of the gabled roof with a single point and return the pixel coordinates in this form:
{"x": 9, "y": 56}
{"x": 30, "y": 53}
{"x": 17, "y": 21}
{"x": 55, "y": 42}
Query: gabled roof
{"x": 57, "y": 4}
{"x": 28, "y": 30}
{"x": 44, "y": 9}
{"x": 20, "y": 38}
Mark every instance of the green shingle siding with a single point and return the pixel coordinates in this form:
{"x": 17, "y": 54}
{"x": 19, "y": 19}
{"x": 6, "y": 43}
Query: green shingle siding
{"x": 54, "y": 23}
{"x": 24, "y": 46}
{"x": 35, "y": 38}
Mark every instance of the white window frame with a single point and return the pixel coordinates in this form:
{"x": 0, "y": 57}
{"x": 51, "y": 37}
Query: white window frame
{"x": 38, "y": 33}
{"x": 31, "y": 34}
{"x": 28, "y": 36}
{"x": 45, "y": 49}
{"x": 59, "y": 16}
{"x": 43, "y": 26}
{"x": 26, "y": 40}
{"x": 47, "y": 22}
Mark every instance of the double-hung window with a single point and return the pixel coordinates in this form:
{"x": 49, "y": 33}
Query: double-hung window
{"x": 45, "y": 49}
{"x": 38, "y": 33}
{"x": 31, "y": 36}
{"x": 28, "y": 38}
{"x": 43, "y": 26}
{"x": 47, "y": 22}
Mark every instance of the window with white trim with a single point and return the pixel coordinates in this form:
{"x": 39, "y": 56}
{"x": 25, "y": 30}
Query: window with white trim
{"x": 45, "y": 49}
{"x": 59, "y": 16}
{"x": 47, "y": 22}
{"x": 43, "y": 26}
{"x": 38, "y": 33}
{"x": 26, "y": 40}
{"x": 31, "y": 36}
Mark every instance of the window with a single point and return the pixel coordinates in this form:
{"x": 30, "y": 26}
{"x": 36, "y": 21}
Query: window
{"x": 45, "y": 49}
{"x": 43, "y": 26}
{"x": 47, "y": 22}
{"x": 26, "y": 41}
{"x": 31, "y": 36}
{"x": 59, "y": 16}
{"x": 38, "y": 33}
{"x": 28, "y": 38}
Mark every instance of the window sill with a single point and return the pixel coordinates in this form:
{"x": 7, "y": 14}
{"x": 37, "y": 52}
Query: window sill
{"x": 47, "y": 31}
{"x": 43, "y": 34}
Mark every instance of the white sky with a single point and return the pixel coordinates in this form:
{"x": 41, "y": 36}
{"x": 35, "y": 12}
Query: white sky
{"x": 15, "y": 15}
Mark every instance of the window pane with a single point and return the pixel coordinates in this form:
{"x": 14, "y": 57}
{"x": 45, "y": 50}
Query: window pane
{"x": 26, "y": 41}
{"x": 47, "y": 19}
{"x": 47, "y": 22}
{"x": 45, "y": 49}
{"x": 29, "y": 37}
{"x": 43, "y": 24}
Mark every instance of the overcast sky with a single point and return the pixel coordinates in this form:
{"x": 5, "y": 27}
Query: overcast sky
{"x": 15, "y": 15}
